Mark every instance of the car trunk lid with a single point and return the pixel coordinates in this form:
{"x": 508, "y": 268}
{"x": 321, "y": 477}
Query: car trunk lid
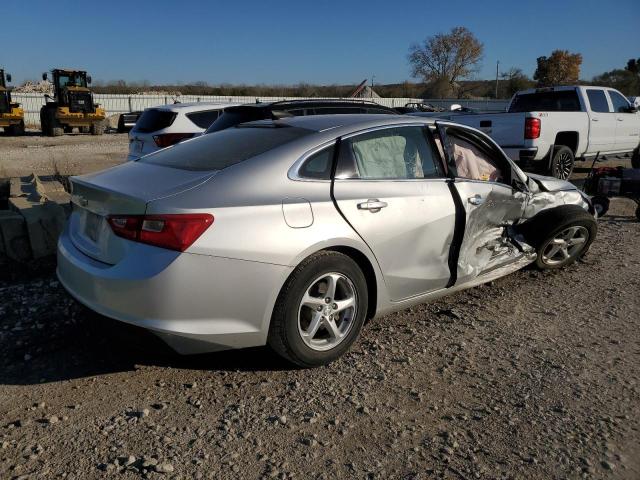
{"x": 122, "y": 190}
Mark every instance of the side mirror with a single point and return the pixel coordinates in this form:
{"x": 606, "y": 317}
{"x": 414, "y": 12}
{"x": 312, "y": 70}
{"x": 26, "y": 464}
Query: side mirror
{"x": 8, "y": 77}
{"x": 89, "y": 80}
{"x": 44, "y": 76}
{"x": 631, "y": 109}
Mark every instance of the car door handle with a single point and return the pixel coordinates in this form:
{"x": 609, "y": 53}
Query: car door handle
{"x": 476, "y": 200}
{"x": 373, "y": 205}
{"x": 594, "y": 119}
{"x": 620, "y": 119}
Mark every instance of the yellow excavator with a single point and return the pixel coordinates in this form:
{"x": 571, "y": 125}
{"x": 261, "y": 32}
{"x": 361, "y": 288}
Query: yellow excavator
{"x": 72, "y": 105}
{"x": 11, "y": 115}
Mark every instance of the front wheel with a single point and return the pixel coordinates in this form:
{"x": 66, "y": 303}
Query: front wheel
{"x": 561, "y": 235}
{"x": 635, "y": 158}
{"x": 562, "y": 163}
{"x": 320, "y": 310}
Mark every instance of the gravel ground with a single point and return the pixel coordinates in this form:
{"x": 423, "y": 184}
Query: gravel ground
{"x": 72, "y": 154}
{"x": 534, "y": 376}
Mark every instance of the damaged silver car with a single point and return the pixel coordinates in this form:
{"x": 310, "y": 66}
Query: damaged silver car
{"x": 294, "y": 232}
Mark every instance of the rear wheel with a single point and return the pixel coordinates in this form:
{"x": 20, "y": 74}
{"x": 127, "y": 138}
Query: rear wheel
{"x": 562, "y": 163}
{"x": 97, "y": 128}
{"x": 561, "y": 235}
{"x": 16, "y": 130}
{"x": 54, "y": 128}
{"x": 320, "y": 310}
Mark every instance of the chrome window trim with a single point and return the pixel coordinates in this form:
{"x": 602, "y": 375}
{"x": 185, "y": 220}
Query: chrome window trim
{"x": 294, "y": 170}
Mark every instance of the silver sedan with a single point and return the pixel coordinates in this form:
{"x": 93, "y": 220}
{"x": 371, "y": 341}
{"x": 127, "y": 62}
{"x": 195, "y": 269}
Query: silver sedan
{"x": 294, "y": 232}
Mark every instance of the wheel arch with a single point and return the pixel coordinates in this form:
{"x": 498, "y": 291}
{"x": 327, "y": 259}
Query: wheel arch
{"x": 568, "y": 139}
{"x": 369, "y": 273}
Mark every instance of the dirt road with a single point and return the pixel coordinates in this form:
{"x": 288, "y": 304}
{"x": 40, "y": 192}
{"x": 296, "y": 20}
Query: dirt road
{"x": 536, "y": 376}
{"x": 67, "y": 155}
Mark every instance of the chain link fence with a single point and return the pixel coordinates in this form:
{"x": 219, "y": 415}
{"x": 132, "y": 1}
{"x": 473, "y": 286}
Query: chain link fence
{"x": 117, "y": 104}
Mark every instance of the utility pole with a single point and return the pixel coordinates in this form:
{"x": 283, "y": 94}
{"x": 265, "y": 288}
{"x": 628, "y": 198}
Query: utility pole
{"x": 497, "y": 65}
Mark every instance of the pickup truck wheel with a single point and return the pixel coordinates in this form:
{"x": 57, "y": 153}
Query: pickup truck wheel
{"x": 562, "y": 163}
{"x": 561, "y": 235}
{"x": 635, "y": 158}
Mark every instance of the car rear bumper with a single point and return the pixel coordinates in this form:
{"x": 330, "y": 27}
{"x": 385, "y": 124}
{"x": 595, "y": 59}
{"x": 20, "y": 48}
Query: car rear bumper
{"x": 195, "y": 303}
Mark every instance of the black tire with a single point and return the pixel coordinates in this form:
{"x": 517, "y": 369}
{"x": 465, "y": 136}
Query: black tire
{"x": 68, "y": 129}
{"x": 121, "y": 127}
{"x": 601, "y": 204}
{"x": 97, "y": 128}
{"x": 86, "y": 129}
{"x": 562, "y": 163}
{"x": 15, "y": 130}
{"x": 55, "y": 128}
{"x": 638, "y": 212}
{"x": 550, "y": 224}
{"x": 635, "y": 158}
{"x": 284, "y": 333}
{"x": 44, "y": 119}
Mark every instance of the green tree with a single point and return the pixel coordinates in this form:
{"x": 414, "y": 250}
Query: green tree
{"x": 561, "y": 68}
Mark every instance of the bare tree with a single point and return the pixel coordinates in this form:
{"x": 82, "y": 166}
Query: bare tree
{"x": 446, "y": 57}
{"x": 515, "y": 80}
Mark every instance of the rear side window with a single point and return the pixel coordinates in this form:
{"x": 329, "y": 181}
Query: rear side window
{"x": 204, "y": 119}
{"x": 392, "y": 153}
{"x": 558, "y": 101}
{"x": 233, "y": 116}
{"x": 153, "y": 119}
{"x": 225, "y": 148}
{"x": 318, "y": 165}
{"x": 620, "y": 103}
{"x": 597, "y": 100}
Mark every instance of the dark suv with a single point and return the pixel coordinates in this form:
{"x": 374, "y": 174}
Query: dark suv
{"x": 293, "y": 108}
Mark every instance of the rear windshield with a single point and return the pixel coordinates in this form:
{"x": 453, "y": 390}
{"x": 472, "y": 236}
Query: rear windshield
{"x": 222, "y": 149}
{"x": 233, "y": 116}
{"x": 559, "y": 101}
{"x": 153, "y": 119}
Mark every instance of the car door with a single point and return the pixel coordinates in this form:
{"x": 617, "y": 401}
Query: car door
{"x": 627, "y": 123}
{"x": 602, "y": 128}
{"x": 493, "y": 195}
{"x": 390, "y": 188}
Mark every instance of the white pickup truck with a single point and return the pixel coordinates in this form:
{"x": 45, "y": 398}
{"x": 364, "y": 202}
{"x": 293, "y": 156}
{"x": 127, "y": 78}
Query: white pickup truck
{"x": 546, "y": 129}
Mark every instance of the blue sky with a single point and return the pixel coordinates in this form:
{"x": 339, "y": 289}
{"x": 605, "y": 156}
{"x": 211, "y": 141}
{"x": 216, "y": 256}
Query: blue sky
{"x": 286, "y": 42}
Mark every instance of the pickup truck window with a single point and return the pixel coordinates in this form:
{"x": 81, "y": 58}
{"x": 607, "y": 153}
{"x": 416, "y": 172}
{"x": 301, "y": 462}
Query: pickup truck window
{"x": 620, "y": 104}
{"x": 556, "y": 101}
{"x": 598, "y": 101}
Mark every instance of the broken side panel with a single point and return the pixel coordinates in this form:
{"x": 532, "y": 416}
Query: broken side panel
{"x": 491, "y": 208}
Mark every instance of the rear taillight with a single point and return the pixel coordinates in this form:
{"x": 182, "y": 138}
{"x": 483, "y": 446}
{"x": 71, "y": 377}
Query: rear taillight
{"x": 172, "y": 231}
{"x": 532, "y": 127}
{"x": 168, "y": 139}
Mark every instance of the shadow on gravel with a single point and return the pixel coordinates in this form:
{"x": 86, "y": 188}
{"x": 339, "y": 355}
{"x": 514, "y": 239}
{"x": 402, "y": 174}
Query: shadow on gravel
{"x": 47, "y": 337}
{"x": 96, "y": 345}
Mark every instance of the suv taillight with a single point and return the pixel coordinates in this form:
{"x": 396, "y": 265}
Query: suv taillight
{"x": 172, "y": 231}
{"x": 532, "y": 127}
{"x": 168, "y": 139}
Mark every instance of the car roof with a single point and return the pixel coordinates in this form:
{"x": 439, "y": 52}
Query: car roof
{"x": 194, "y": 106}
{"x": 350, "y": 122}
{"x": 308, "y": 102}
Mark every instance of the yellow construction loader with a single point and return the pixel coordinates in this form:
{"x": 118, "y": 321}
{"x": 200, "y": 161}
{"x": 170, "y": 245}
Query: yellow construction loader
{"x": 72, "y": 105}
{"x": 11, "y": 115}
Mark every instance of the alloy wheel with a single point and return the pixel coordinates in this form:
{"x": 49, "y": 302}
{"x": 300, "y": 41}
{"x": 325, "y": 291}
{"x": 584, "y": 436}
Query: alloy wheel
{"x": 327, "y": 311}
{"x": 565, "y": 245}
{"x": 564, "y": 165}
